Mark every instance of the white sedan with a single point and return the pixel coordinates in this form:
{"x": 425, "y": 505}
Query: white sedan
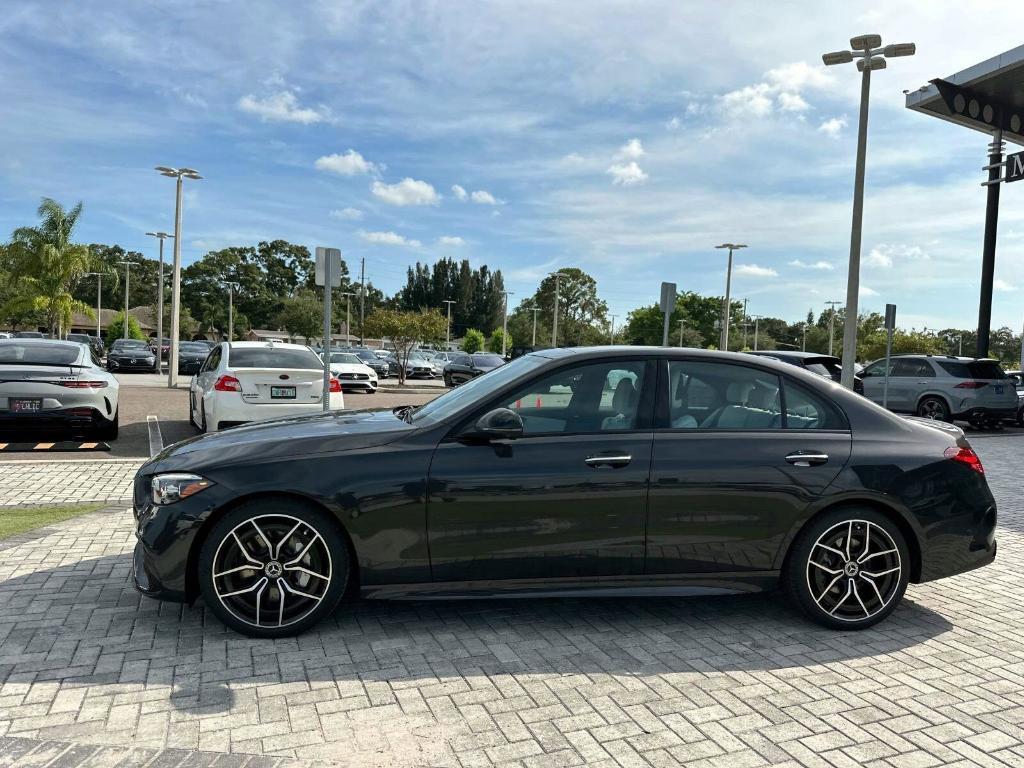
{"x": 246, "y": 381}
{"x": 353, "y": 373}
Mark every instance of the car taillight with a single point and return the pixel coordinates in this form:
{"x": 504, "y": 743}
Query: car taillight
{"x": 971, "y": 385}
{"x": 965, "y": 456}
{"x": 83, "y": 384}
{"x": 228, "y": 384}
{"x": 334, "y": 386}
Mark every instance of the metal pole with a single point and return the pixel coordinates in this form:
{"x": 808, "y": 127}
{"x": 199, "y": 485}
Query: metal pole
{"x": 680, "y": 333}
{"x": 746, "y": 323}
{"x": 160, "y": 310}
{"x": 172, "y": 355}
{"x": 348, "y": 317}
{"x": 723, "y": 343}
{"x": 231, "y": 312}
{"x": 664, "y": 330}
{"x": 803, "y": 343}
{"x": 554, "y": 321}
{"x": 611, "y": 338}
{"x": 831, "y": 322}
{"x": 988, "y": 253}
{"x": 853, "y": 274}
{"x": 448, "y": 332}
{"x": 124, "y": 325}
{"x": 756, "y": 319}
{"x": 535, "y": 311}
{"x": 328, "y": 289}
{"x": 1022, "y": 348}
{"x": 99, "y": 305}
{"x": 362, "y": 298}
{"x": 504, "y": 324}
{"x": 888, "y": 358}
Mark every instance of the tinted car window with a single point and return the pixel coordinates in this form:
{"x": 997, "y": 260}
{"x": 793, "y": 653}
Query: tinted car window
{"x": 915, "y": 368}
{"x": 877, "y": 368}
{"x": 490, "y": 360}
{"x": 722, "y": 396}
{"x": 809, "y": 410}
{"x": 346, "y": 358}
{"x": 454, "y": 400}
{"x": 597, "y": 397}
{"x": 461, "y": 360}
{"x": 129, "y": 345}
{"x": 260, "y": 357}
{"x": 39, "y": 354}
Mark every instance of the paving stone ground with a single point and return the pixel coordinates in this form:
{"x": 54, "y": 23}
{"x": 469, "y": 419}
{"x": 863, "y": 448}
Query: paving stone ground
{"x": 47, "y": 482}
{"x": 93, "y": 674}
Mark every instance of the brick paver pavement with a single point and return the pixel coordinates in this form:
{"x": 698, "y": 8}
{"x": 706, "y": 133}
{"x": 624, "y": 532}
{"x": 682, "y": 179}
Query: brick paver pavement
{"x": 93, "y": 674}
{"x": 46, "y": 482}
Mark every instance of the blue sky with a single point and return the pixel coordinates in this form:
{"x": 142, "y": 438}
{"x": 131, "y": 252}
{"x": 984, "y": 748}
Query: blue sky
{"x": 623, "y": 138}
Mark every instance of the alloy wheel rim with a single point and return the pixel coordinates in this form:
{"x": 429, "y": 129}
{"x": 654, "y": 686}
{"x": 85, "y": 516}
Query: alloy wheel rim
{"x": 854, "y": 570}
{"x": 272, "y": 570}
{"x": 932, "y": 409}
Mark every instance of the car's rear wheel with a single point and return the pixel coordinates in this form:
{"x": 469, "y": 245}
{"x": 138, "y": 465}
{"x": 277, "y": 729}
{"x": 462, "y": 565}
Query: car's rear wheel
{"x": 202, "y": 417}
{"x": 933, "y": 408}
{"x": 273, "y": 568}
{"x": 848, "y": 569}
{"x": 1020, "y": 418}
{"x": 109, "y": 430}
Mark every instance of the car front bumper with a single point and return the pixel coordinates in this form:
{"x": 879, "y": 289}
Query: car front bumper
{"x": 125, "y": 364}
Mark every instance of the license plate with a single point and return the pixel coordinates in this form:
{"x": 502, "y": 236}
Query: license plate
{"x": 283, "y": 393}
{"x": 33, "y": 405}
{"x": 999, "y": 389}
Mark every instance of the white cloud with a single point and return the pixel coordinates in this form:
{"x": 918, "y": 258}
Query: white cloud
{"x": 348, "y": 214}
{"x": 627, "y": 174}
{"x": 753, "y": 270}
{"x": 459, "y": 192}
{"x": 781, "y": 89}
{"x": 1002, "y": 285}
{"x": 631, "y": 150}
{"x": 792, "y": 102}
{"x": 885, "y": 256}
{"x": 673, "y": 124}
{"x": 281, "y": 106}
{"x": 454, "y": 240}
{"x": 822, "y": 265}
{"x": 833, "y": 126}
{"x": 865, "y": 291}
{"x": 799, "y": 75}
{"x": 389, "y": 238}
{"x": 349, "y": 164}
{"x": 406, "y": 192}
{"x": 749, "y": 101}
{"x": 482, "y": 197}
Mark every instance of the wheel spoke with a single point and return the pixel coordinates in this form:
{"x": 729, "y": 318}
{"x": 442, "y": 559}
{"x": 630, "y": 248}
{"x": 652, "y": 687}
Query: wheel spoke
{"x": 833, "y": 550}
{"x": 307, "y": 571}
{"x": 867, "y": 542}
{"x": 853, "y": 586}
{"x": 843, "y": 600}
{"x": 305, "y": 549}
{"x": 881, "y": 573}
{"x": 262, "y": 582}
{"x": 881, "y": 600}
{"x": 828, "y": 588}
{"x": 259, "y": 596}
{"x": 830, "y": 571}
{"x": 244, "y": 551}
{"x": 849, "y": 539}
{"x": 865, "y": 558}
{"x": 263, "y": 536}
{"x": 281, "y": 543}
{"x": 237, "y": 570}
{"x": 298, "y": 592}
{"x": 280, "y": 608}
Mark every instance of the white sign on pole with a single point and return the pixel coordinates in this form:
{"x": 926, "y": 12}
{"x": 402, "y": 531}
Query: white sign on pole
{"x": 322, "y": 255}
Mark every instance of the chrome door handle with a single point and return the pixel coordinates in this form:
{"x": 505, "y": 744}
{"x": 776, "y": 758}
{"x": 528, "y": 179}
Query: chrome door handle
{"x": 801, "y": 459}
{"x": 608, "y": 461}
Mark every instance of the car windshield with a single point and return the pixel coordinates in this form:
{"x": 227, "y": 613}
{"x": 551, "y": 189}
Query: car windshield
{"x": 193, "y": 347}
{"x": 270, "y": 357}
{"x": 129, "y": 344}
{"x": 346, "y": 358}
{"x": 365, "y": 354}
{"x": 12, "y": 353}
{"x": 488, "y": 360}
{"x": 455, "y": 400}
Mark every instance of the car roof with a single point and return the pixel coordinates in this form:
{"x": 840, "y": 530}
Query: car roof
{"x": 954, "y": 358}
{"x": 263, "y": 345}
{"x": 794, "y": 354}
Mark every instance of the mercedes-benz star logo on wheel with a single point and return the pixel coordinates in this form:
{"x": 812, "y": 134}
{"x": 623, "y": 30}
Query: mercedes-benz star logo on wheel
{"x": 274, "y": 569}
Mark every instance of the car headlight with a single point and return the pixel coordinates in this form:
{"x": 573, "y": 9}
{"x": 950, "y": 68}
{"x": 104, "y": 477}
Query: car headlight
{"x": 169, "y": 488}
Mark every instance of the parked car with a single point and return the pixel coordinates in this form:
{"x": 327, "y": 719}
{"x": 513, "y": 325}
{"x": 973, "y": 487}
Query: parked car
{"x": 466, "y": 367}
{"x": 944, "y": 387}
{"x": 383, "y": 353}
{"x": 191, "y": 356}
{"x": 353, "y": 373}
{"x": 369, "y": 359}
{"x": 699, "y": 473}
{"x": 1018, "y": 382}
{"x": 443, "y": 358}
{"x": 130, "y": 355}
{"x": 29, "y": 335}
{"x": 245, "y": 381}
{"x": 47, "y": 384}
{"x": 824, "y": 365}
{"x": 6, "y": 335}
{"x": 95, "y": 343}
{"x": 165, "y": 347}
{"x": 421, "y": 366}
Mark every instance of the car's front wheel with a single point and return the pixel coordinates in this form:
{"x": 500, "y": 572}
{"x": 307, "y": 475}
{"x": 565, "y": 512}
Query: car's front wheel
{"x": 273, "y": 568}
{"x": 848, "y": 569}
{"x": 933, "y": 408}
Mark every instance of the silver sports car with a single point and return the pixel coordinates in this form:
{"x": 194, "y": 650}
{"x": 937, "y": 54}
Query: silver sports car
{"x": 55, "y": 384}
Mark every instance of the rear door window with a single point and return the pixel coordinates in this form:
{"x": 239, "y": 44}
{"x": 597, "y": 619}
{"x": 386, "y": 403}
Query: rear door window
{"x": 913, "y": 368}
{"x": 809, "y": 410}
{"x": 722, "y": 396}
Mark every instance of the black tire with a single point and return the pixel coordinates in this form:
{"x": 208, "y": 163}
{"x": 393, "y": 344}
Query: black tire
{"x": 109, "y": 430}
{"x": 237, "y": 599}
{"x": 816, "y": 588}
{"x": 202, "y": 416}
{"x": 448, "y": 381}
{"x": 1020, "y": 418}
{"x": 932, "y": 407}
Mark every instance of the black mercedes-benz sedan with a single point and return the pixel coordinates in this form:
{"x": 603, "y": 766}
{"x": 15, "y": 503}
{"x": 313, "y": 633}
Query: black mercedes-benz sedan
{"x": 130, "y": 355}
{"x": 465, "y": 367}
{"x": 605, "y": 471}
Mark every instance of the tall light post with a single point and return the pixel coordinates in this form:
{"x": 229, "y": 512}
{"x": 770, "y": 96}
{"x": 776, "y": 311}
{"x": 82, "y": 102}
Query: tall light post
{"x": 99, "y": 300}
{"x": 160, "y": 292}
{"x": 831, "y": 322}
{"x": 756, "y": 319}
{"x": 611, "y": 340}
{"x": 723, "y": 339}
{"x": 232, "y": 287}
{"x": 504, "y": 322}
{"x": 868, "y": 51}
{"x": 348, "y": 317}
{"x": 127, "y": 270}
{"x": 448, "y": 329}
{"x": 554, "y": 316}
{"x": 681, "y": 322}
{"x": 803, "y": 341}
{"x": 172, "y": 355}
{"x": 535, "y": 310}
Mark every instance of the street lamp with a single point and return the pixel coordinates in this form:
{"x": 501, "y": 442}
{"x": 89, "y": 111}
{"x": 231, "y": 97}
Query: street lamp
{"x": 756, "y": 319}
{"x": 611, "y": 339}
{"x": 232, "y": 287}
{"x": 99, "y": 299}
{"x": 160, "y": 291}
{"x": 723, "y": 340}
{"x": 554, "y": 321}
{"x": 448, "y": 330}
{"x": 504, "y": 322}
{"x": 348, "y": 316}
{"x": 867, "y": 50}
{"x": 831, "y": 322}
{"x": 535, "y": 310}
{"x": 681, "y": 321}
{"x": 172, "y": 357}
{"x": 127, "y": 270}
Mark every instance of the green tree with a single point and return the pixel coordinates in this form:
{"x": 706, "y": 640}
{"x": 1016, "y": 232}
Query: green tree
{"x": 302, "y": 315}
{"x": 405, "y": 330}
{"x": 45, "y": 265}
{"x": 473, "y": 341}
{"x": 115, "y": 330}
{"x": 582, "y": 316}
{"x": 499, "y": 341}
{"x": 477, "y": 293}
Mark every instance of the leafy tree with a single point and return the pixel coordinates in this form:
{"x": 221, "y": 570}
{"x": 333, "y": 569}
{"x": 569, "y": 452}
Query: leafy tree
{"x": 495, "y": 342}
{"x": 115, "y": 330}
{"x": 405, "y": 330}
{"x": 45, "y": 265}
{"x": 302, "y": 315}
{"x": 477, "y": 293}
{"x": 582, "y": 315}
{"x": 473, "y": 341}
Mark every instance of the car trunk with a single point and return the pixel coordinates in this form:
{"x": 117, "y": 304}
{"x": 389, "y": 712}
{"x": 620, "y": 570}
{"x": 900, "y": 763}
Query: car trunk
{"x": 279, "y": 385}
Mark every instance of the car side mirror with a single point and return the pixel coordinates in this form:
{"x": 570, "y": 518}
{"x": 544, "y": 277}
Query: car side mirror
{"x": 501, "y": 423}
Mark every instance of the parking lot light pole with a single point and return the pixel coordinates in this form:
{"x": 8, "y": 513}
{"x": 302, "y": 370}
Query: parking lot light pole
{"x": 611, "y": 339}
{"x": 160, "y": 293}
{"x": 448, "y": 328}
{"x": 868, "y": 51}
{"x": 554, "y": 320}
{"x": 504, "y": 322}
{"x": 232, "y": 287}
{"x": 99, "y": 300}
{"x": 348, "y": 317}
{"x": 723, "y": 339}
{"x": 832, "y": 322}
{"x": 127, "y": 270}
{"x": 681, "y": 322}
{"x": 535, "y": 310}
{"x": 172, "y": 355}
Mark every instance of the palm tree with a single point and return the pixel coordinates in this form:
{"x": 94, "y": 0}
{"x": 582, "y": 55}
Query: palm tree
{"x": 45, "y": 265}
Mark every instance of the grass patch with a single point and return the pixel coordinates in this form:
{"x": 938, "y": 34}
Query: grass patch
{"x": 15, "y": 520}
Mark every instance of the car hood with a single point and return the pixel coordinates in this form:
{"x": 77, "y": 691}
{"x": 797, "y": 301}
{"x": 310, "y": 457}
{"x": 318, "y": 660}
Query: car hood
{"x": 131, "y": 352}
{"x": 282, "y": 438}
